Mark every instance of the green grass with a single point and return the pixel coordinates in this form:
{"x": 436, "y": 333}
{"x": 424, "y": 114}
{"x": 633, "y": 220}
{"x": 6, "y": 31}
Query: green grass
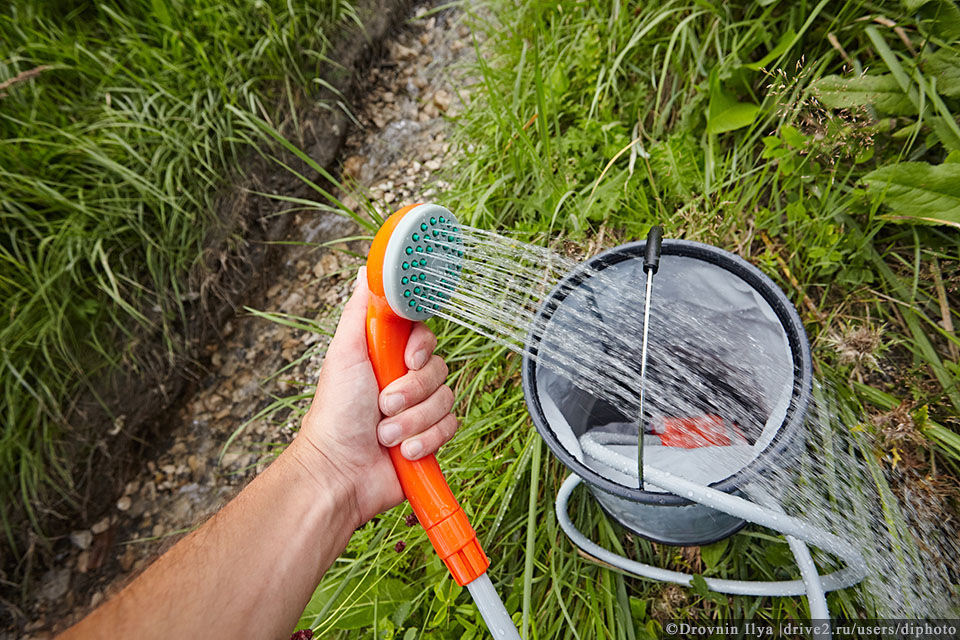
{"x": 113, "y": 145}
{"x": 719, "y": 121}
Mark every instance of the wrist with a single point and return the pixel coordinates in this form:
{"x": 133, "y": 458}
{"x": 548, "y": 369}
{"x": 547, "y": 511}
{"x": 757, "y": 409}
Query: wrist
{"x": 318, "y": 472}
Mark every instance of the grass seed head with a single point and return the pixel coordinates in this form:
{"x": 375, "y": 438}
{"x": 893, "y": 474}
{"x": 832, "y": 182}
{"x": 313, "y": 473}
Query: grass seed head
{"x": 671, "y": 599}
{"x": 858, "y": 346}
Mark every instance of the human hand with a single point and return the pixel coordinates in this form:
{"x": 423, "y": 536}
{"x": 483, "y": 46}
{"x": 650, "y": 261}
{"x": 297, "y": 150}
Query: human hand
{"x": 350, "y": 424}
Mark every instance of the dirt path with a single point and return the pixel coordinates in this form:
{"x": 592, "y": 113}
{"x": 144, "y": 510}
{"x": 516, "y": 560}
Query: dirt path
{"x": 402, "y": 141}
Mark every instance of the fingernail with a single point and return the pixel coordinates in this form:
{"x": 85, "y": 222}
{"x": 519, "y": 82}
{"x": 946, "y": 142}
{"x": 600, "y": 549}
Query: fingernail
{"x": 361, "y": 277}
{"x": 411, "y": 449}
{"x": 392, "y": 403}
{"x": 389, "y": 434}
{"x": 419, "y": 358}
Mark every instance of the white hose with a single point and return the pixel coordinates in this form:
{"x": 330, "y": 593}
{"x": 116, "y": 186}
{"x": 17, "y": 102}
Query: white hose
{"x": 853, "y": 573}
{"x": 816, "y": 597}
{"x": 491, "y": 608}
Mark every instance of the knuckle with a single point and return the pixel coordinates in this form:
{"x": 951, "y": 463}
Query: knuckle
{"x": 416, "y": 420}
{"x": 412, "y": 387}
{"x": 446, "y": 396}
{"x": 421, "y": 387}
{"x": 450, "y": 427}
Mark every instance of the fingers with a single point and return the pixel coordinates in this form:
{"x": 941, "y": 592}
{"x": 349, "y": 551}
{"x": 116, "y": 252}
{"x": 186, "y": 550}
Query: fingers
{"x": 420, "y": 346}
{"x": 430, "y": 440}
{"x": 414, "y": 387}
{"x": 417, "y": 418}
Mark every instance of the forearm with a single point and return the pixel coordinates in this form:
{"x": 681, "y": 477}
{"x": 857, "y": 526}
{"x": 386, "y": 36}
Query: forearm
{"x": 250, "y": 570}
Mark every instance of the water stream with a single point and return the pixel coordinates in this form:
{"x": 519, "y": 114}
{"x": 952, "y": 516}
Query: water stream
{"x": 717, "y": 354}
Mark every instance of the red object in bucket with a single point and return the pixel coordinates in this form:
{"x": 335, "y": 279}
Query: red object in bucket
{"x": 697, "y": 431}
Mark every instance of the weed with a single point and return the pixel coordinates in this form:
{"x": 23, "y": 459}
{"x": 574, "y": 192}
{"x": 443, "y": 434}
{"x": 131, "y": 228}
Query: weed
{"x": 116, "y": 131}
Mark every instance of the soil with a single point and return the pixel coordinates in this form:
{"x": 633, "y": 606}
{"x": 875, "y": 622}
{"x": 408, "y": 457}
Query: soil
{"x": 222, "y": 432}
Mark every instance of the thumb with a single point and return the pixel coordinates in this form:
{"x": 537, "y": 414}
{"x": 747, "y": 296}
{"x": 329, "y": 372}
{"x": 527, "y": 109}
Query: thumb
{"x": 349, "y": 343}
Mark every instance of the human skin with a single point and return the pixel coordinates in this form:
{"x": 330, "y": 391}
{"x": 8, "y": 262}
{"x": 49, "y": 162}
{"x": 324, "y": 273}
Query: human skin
{"x": 249, "y": 571}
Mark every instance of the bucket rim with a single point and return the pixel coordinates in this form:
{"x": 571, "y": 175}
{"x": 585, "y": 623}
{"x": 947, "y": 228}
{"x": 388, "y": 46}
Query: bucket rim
{"x": 784, "y": 310}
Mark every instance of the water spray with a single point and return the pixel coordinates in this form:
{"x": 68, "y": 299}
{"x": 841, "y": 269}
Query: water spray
{"x": 726, "y": 393}
{"x": 413, "y": 263}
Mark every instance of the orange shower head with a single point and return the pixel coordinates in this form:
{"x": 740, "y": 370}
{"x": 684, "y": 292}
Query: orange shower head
{"x": 415, "y": 260}
{"x": 412, "y": 268}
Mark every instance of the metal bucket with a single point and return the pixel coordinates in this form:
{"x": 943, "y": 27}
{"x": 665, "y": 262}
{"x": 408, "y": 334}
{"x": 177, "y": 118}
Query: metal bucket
{"x": 745, "y": 355}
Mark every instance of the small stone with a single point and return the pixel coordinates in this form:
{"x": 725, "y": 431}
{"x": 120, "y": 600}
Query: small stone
{"x": 401, "y": 52}
{"x": 169, "y": 469}
{"x": 149, "y": 490}
{"x": 131, "y": 487}
{"x": 55, "y": 584}
{"x": 292, "y": 302}
{"x": 442, "y": 100}
{"x": 127, "y": 559}
{"x": 83, "y": 561}
{"x": 101, "y": 526}
{"x": 330, "y": 262}
{"x": 229, "y": 459}
{"x": 157, "y": 530}
{"x": 389, "y": 197}
{"x": 124, "y": 503}
{"x": 82, "y": 539}
{"x": 193, "y": 462}
{"x": 353, "y": 165}
{"x": 96, "y": 599}
{"x": 432, "y": 165}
